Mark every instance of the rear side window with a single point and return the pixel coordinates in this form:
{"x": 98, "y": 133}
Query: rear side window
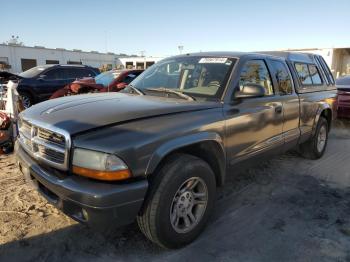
{"x": 315, "y": 75}
{"x": 308, "y": 74}
{"x": 256, "y": 72}
{"x": 283, "y": 78}
{"x": 68, "y": 73}
{"x": 303, "y": 73}
{"x": 80, "y": 73}
{"x": 327, "y": 70}
{"x": 322, "y": 71}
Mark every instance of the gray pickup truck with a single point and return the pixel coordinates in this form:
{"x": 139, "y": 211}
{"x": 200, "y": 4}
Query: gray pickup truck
{"x": 157, "y": 151}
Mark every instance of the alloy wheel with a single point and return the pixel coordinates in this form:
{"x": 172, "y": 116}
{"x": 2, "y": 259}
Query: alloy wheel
{"x": 188, "y": 205}
{"x": 322, "y": 138}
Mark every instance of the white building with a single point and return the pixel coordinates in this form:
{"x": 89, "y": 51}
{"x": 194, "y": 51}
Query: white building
{"x": 17, "y": 58}
{"x": 338, "y": 59}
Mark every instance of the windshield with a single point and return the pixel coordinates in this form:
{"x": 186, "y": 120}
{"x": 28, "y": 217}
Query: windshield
{"x": 35, "y": 71}
{"x": 196, "y": 76}
{"x": 106, "y": 78}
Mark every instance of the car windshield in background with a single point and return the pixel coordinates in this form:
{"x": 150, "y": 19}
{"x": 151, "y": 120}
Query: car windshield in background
{"x": 106, "y": 78}
{"x": 35, "y": 71}
{"x": 195, "y": 76}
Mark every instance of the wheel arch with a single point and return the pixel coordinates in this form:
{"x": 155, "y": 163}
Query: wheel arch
{"x": 207, "y": 146}
{"x": 323, "y": 111}
{"x": 26, "y": 90}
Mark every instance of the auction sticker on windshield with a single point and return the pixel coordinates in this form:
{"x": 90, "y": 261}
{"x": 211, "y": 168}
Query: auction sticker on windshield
{"x": 213, "y": 60}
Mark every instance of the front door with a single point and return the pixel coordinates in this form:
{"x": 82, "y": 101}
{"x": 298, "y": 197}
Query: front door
{"x": 53, "y": 80}
{"x": 254, "y": 125}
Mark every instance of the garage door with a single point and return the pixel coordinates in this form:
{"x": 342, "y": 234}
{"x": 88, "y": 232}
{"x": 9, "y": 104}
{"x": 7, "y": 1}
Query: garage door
{"x": 28, "y": 63}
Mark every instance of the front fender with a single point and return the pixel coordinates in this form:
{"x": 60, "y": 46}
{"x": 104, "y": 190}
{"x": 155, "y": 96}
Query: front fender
{"x": 180, "y": 142}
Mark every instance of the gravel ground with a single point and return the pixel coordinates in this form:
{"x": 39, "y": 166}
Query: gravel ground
{"x": 287, "y": 209}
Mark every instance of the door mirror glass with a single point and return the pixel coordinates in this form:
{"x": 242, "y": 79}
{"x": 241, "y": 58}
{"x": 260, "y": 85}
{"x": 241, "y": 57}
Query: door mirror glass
{"x": 251, "y": 90}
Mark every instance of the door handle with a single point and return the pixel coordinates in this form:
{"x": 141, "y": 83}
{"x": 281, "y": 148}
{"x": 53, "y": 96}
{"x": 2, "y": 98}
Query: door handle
{"x": 278, "y": 109}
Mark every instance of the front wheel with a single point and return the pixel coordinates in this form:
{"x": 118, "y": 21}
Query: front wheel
{"x": 27, "y": 100}
{"x": 316, "y": 146}
{"x": 179, "y": 203}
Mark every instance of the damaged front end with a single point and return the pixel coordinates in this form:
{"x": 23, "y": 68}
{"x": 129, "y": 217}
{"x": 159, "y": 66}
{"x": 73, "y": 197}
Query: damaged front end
{"x": 6, "y": 134}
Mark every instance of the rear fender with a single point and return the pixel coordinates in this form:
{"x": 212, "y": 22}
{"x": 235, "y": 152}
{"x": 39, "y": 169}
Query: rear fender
{"x": 323, "y": 107}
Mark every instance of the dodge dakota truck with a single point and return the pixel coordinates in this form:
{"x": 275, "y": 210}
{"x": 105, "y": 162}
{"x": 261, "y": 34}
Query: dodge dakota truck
{"x": 157, "y": 151}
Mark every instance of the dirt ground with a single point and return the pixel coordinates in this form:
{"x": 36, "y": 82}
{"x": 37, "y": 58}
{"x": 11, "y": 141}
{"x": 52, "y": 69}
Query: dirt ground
{"x": 287, "y": 209}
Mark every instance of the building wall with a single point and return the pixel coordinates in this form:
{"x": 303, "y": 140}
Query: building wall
{"x": 341, "y": 61}
{"x": 346, "y": 64}
{"x": 13, "y": 55}
{"x": 138, "y": 62}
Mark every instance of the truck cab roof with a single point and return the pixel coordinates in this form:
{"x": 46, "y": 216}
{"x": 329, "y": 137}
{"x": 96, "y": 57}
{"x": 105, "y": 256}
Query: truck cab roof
{"x": 291, "y": 56}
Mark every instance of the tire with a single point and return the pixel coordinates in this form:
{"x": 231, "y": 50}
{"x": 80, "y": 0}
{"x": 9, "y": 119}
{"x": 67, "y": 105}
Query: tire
{"x": 26, "y": 99}
{"x": 312, "y": 149}
{"x": 165, "y": 200}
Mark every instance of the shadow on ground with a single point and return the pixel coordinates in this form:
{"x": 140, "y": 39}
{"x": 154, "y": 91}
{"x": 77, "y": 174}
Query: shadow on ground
{"x": 282, "y": 210}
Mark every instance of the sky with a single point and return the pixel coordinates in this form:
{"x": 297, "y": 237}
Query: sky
{"x": 158, "y": 27}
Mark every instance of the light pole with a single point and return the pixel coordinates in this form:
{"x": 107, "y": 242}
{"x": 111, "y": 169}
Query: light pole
{"x": 144, "y": 58}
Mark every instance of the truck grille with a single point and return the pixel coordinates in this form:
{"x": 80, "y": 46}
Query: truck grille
{"x": 45, "y": 145}
{"x": 51, "y": 137}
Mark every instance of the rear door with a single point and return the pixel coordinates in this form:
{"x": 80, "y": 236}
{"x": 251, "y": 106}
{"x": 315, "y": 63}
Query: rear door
{"x": 253, "y": 125}
{"x": 283, "y": 82}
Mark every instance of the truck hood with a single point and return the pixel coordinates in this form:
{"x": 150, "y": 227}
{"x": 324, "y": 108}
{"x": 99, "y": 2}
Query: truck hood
{"x": 81, "y": 113}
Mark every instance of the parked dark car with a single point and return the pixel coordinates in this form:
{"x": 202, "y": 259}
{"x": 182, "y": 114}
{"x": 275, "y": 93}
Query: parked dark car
{"x": 158, "y": 150}
{"x": 110, "y": 81}
{"x": 343, "y": 86}
{"x": 39, "y": 83}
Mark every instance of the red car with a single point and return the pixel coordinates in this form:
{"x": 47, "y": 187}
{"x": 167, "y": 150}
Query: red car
{"x": 111, "y": 81}
{"x": 343, "y": 86}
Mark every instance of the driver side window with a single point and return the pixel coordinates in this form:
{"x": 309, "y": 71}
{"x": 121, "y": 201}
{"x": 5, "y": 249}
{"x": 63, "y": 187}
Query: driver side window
{"x": 256, "y": 72}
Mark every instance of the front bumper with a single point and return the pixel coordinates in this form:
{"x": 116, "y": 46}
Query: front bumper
{"x": 96, "y": 203}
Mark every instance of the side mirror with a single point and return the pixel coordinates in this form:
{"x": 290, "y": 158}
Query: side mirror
{"x": 42, "y": 77}
{"x": 121, "y": 85}
{"x": 251, "y": 90}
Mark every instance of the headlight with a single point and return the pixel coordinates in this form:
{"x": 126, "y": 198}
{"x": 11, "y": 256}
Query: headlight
{"x": 99, "y": 165}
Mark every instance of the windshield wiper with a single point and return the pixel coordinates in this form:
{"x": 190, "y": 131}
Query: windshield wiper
{"x": 136, "y": 90}
{"x": 171, "y": 91}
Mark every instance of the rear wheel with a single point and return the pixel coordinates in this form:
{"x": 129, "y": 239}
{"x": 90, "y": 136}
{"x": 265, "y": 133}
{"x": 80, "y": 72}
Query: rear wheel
{"x": 316, "y": 146}
{"x": 179, "y": 202}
